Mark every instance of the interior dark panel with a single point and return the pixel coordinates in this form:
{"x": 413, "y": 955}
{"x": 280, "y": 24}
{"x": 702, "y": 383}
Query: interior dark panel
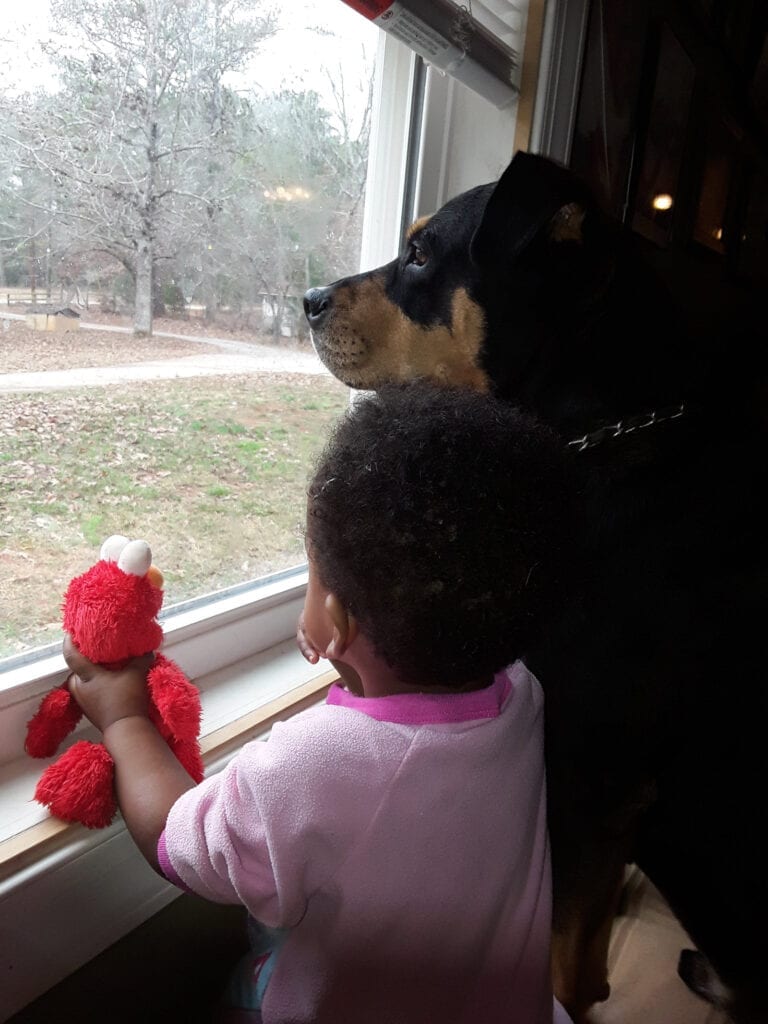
{"x": 672, "y": 134}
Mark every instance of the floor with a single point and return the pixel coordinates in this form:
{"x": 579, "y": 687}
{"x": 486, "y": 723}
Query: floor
{"x": 645, "y": 946}
{"x": 172, "y": 968}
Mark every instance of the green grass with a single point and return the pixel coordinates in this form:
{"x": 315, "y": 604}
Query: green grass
{"x": 211, "y": 472}
{"x": 92, "y": 529}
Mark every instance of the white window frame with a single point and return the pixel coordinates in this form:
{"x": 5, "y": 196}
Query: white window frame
{"x": 239, "y": 645}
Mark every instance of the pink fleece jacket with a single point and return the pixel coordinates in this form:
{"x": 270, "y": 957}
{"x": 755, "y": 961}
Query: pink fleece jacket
{"x": 403, "y": 842}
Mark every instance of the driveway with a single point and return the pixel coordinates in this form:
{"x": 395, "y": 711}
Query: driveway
{"x": 232, "y": 357}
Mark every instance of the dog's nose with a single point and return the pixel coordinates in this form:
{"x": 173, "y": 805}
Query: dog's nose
{"x": 317, "y": 305}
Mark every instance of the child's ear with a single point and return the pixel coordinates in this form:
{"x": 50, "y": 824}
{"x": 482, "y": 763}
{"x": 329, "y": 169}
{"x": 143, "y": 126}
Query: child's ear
{"x": 344, "y": 627}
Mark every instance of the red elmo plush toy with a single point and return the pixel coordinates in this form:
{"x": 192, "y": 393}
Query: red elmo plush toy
{"x": 110, "y": 612}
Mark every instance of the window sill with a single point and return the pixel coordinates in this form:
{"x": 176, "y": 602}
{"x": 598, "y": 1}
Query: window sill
{"x": 53, "y": 874}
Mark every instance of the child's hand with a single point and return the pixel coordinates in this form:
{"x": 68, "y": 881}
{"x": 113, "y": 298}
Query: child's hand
{"x": 107, "y": 696}
{"x": 306, "y": 648}
{"x": 148, "y": 778}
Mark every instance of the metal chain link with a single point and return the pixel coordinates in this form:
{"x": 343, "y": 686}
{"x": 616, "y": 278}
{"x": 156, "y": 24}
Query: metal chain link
{"x": 627, "y": 426}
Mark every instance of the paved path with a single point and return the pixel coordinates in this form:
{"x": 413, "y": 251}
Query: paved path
{"x": 233, "y": 357}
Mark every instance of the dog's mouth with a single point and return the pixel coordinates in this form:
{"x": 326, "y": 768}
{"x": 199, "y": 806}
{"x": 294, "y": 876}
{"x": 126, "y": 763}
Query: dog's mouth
{"x": 343, "y": 351}
{"x": 367, "y": 344}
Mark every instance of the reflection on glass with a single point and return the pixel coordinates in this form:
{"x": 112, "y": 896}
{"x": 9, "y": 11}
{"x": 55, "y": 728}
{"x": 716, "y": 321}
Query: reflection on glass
{"x": 664, "y": 141}
{"x": 753, "y": 248}
{"x": 716, "y": 174}
{"x": 605, "y": 122}
{"x": 663, "y": 201}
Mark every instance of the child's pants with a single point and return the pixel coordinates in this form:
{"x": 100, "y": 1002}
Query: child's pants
{"x": 248, "y": 982}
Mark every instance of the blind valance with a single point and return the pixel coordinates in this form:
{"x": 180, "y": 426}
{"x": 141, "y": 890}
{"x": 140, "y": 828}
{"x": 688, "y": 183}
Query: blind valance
{"x": 477, "y": 44}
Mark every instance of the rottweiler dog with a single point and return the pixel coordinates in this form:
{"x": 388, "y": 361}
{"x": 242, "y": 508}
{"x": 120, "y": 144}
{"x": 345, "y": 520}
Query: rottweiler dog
{"x": 653, "y": 670}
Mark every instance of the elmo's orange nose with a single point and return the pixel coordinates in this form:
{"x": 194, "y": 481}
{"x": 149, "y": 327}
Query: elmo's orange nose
{"x": 155, "y": 577}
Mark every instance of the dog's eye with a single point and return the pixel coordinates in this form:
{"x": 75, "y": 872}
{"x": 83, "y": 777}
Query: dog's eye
{"x": 416, "y": 256}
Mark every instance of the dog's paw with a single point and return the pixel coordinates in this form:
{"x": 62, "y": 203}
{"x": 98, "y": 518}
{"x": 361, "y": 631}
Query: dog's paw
{"x": 699, "y": 976}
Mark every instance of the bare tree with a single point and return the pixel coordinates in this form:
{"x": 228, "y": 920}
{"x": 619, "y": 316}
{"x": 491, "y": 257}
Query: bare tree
{"x": 118, "y": 134}
{"x": 294, "y": 219}
{"x": 146, "y": 158}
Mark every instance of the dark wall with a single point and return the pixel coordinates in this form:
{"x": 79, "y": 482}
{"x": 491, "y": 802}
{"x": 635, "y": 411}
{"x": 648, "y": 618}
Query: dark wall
{"x": 672, "y": 134}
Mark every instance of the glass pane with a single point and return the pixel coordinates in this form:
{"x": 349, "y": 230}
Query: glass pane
{"x": 604, "y": 134}
{"x": 187, "y": 170}
{"x": 753, "y": 248}
{"x": 718, "y": 164}
{"x": 759, "y": 90}
{"x": 664, "y": 142}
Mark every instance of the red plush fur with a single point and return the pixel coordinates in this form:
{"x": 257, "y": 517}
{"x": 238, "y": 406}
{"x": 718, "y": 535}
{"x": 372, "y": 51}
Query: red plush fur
{"x": 111, "y": 616}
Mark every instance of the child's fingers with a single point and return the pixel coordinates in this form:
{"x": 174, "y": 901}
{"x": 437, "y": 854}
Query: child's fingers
{"x": 308, "y": 651}
{"x": 77, "y": 662}
{"x": 142, "y": 662}
{"x": 304, "y": 645}
{"x": 81, "y": 667}
{"x": 73, "y": 683}
{"x": 107, "y": 695}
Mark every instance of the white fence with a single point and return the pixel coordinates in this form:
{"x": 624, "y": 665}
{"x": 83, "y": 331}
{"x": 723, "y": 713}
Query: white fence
{"x": 59, "y": 296}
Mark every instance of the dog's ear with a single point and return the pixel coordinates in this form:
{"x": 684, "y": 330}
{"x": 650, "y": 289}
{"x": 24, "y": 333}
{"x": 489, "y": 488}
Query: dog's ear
{"x": 532, "y": 195}
{"x": 567, "y": 224}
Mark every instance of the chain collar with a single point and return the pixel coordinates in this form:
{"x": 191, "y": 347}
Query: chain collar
{"x": 627, "y": 426}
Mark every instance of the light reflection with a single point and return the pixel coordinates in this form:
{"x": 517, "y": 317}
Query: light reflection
{"x": 662, "y": 201}
{"x": 286, "y": 195}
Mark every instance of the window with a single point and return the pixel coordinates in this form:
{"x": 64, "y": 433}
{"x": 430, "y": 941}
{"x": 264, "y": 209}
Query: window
{"x": 209, "y": 467}
{"x": 237, "y": 643}
{"x": 194, "y": 436}
{"x": 174, "y": 176}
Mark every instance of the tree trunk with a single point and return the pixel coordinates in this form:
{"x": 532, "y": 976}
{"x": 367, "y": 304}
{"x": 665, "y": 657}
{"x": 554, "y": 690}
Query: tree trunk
{"x": 33, "y": 270}
{"x": 209, "y": 288}
{"x": 142, "y": 315}
{"x": 158, "y": 298}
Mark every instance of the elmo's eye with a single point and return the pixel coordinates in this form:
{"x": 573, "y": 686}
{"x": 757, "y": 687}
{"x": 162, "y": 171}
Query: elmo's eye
{"x": 417, "y": 256}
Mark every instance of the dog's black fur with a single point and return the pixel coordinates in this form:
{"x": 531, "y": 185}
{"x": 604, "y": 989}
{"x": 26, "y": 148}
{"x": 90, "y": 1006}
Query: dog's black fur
{"x": 654, "y": 678}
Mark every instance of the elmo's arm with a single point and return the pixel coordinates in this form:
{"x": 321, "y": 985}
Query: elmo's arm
{"x": 55, "y": 719}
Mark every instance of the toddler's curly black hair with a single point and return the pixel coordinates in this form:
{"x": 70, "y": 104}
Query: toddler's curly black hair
{"x": 439, "y": 518}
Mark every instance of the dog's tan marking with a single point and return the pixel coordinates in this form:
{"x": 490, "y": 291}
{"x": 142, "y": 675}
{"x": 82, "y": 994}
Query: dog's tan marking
{"x": 566, "y": 225}
{"x": 417, "y": 225}
{"x": 370, "y": 341}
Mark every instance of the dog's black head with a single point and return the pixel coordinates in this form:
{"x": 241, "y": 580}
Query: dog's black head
{"x": 518, "y": 287}
{"x": 415, "y": 317}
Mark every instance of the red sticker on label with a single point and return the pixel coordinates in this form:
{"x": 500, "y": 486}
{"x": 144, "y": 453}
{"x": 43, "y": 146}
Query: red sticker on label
{"x": 369, "y": 8}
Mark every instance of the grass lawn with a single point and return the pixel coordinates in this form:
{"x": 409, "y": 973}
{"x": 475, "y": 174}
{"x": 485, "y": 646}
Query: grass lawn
{"x": 212, "y": 472}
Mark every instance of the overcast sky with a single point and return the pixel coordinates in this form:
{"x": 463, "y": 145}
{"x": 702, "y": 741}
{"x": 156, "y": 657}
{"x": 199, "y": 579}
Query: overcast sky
{"x": 295, "y": 55}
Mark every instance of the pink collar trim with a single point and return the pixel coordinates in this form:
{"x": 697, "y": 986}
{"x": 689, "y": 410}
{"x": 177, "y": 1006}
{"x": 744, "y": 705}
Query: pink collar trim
{"x": 429, "y": 708}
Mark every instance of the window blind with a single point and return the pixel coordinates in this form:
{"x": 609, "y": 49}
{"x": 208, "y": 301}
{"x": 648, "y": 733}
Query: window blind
{"x": 477, "y": 43}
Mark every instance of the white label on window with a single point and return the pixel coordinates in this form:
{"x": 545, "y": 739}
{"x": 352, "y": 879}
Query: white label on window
{"x": 415, "y": 33}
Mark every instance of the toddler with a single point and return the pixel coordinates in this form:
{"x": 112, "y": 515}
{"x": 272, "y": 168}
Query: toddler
{"x": 391, "y": 843}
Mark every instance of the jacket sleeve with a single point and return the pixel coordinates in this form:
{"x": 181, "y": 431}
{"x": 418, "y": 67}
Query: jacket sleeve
{"x": 274, "y": 825}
